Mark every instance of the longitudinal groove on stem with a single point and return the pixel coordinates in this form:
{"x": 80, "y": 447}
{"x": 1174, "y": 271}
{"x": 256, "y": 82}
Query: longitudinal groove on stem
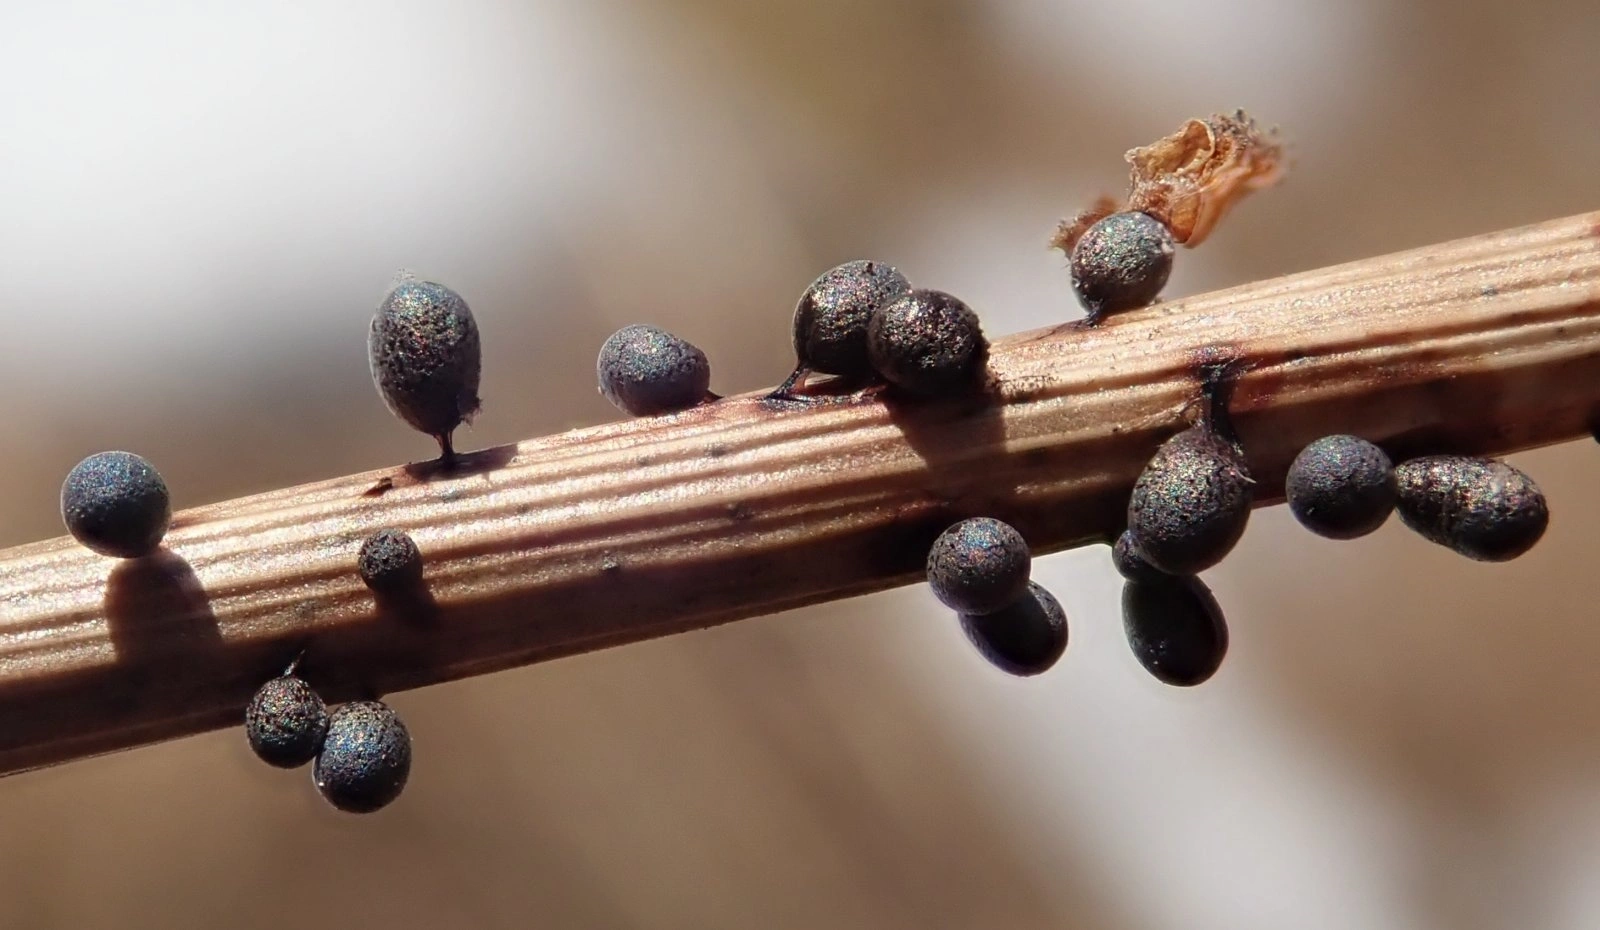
{"x": 644, "y": 528}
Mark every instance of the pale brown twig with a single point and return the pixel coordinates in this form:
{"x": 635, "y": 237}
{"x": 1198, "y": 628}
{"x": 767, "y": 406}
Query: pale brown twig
{"x": 740, "y": 508}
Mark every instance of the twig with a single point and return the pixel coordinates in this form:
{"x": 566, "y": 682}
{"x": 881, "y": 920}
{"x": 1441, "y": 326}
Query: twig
{"x": 639, "y": 529}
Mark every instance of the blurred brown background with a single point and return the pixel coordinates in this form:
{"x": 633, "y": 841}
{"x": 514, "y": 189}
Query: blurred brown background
{"x": 203, "y": 204}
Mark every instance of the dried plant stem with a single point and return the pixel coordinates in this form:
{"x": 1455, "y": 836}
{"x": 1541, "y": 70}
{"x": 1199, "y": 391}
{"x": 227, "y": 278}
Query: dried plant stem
{"x": 640, "y": 529}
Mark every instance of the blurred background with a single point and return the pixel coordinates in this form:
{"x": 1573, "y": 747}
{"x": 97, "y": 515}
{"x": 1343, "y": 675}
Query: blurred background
{"x": 203, "y": 203}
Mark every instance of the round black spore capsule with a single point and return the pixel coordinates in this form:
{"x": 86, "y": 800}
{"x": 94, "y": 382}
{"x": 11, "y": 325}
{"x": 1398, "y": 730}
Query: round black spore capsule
{"x": 425, "y": 357}
{"x": 1130, "y": 564}
{"x": 831, "y": 319}
{"x": 1341, "y": 487}
{"x": 286, "y": 722}
{"x": 1481, "y": 508}
{"x": 116, "y": 504}
{"x": 1122, "y": 262}
{"x": 365, "y": 758}
{"x": 1175, "y": 628}
{"x": 979, "y": 566}
{"x": 646, "y": 371}
{"x": 1191, "y": 503}
{"x": 390, "y": 561}
{"x": 1023, "y": 639}
{"x": 927, "y": 343}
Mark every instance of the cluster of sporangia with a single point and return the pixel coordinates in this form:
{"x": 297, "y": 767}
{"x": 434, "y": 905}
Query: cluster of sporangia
{"x": 116, "y": 504}
{"x": 863, "y": 323}
{"x": 424, "y": 353}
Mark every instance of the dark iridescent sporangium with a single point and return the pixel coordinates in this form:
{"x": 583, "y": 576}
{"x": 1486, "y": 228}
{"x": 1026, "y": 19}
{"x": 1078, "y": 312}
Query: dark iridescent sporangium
{"x": 928, "y": 343}
{"x": 831, "y": 319}
{"x": 365, "y": 759}
{"x": 1341, "y": 487}
{"x": 1191, "y": 503}
{"x": 645, "y": 371}
{"x": 389, "y": 561}
{"x": 1122, "y": 262}
{"x": 425, "y": 356}
{"x": 1482, "y": 508}
{"x": 1026, "y": 638}
{"x": 979, "y": 566}
{"x": 116, "y": 504}
{"x": 285, "y": 722}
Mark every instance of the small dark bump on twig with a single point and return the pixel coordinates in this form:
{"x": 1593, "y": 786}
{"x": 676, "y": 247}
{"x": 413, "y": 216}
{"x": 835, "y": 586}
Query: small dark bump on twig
{"x": 285, "y": 722}
{"x": 389, "y": 561}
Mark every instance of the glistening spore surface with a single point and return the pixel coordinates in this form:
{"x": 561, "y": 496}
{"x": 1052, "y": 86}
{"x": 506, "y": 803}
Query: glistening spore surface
{"x": 928, "y": 343}
{"x": 979, "y": 566}
{"x": 1341, "y": 487}
{"x": 285, "y": 722}
{"x": 1482, "y": 508}
{"x": 365, "y": 758}
{"x": 1122, "y": 262}
{"x": 645, "y": 370}
{"x": 831, "y": 319}
{"x": 116, "y": 504}
{"x": 389, "y": 561}
{"x": 1190, "y": 505}
{"x": 425, "y": 356}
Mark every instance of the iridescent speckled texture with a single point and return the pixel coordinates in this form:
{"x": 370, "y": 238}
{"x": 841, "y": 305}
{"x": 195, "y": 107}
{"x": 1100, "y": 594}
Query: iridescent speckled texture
{"x": 831, "y": 319}
{"x": 285, "y": 722}
{"x": 1122, "y": 262}
{"x": 928, "y": 343}
{"x": 389, "y": 561}
{"x": 1129, "y": 563}
{"x": 116, "y": 504}
{"x": 979, "y": 566}
{"x": 1191, "y": 503}
{"x": 425, "y": 357}
{"x": 1175, "y": 628}
{"x": 646, "y": 371}
{"x": 1026, "y": 638}
{"x": 1341, "y": 487}
{"x": 1481, "y": 508}
{"x": 365, "y": 758}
